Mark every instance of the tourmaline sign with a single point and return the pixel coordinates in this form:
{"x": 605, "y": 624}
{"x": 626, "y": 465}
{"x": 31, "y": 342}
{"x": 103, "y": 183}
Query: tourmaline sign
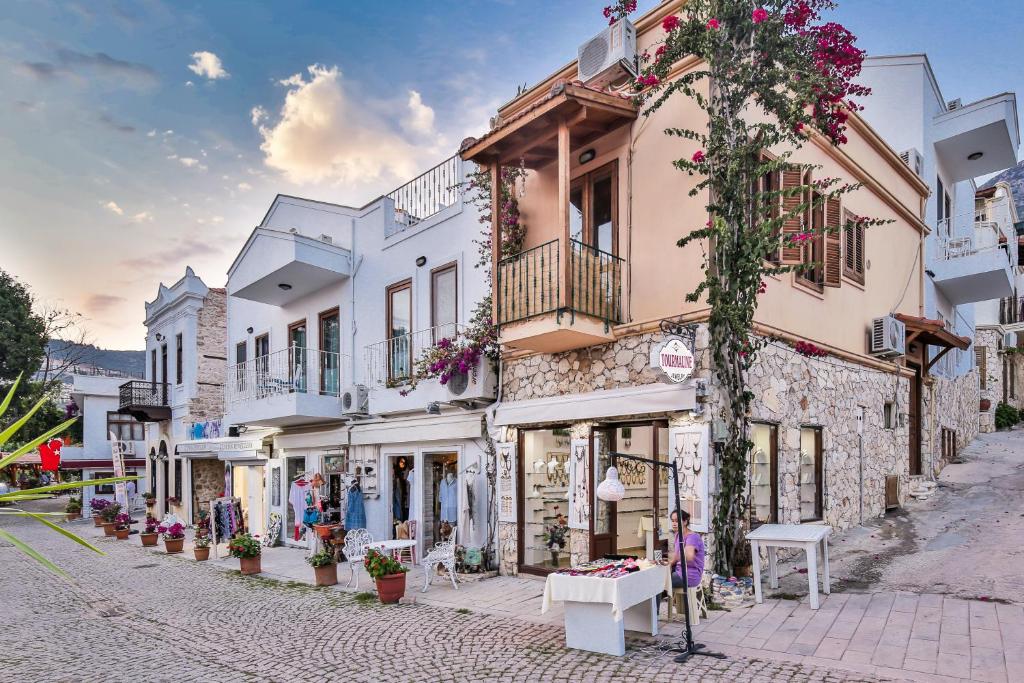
{"x": 674, "y": 359}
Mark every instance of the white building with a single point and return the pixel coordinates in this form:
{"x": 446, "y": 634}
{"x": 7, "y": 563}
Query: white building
{"x": 96, "y": 393}
{"x": 328, "y": 309}
{"x": 949, "y": 144}
{"x": 182, "y": 395}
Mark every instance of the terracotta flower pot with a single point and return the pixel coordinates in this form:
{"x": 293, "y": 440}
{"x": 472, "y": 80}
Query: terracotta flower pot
{"x": 985, "y": 405}
{"x": 174, "y": 545}
{"x": 97, "y": 521}
{"x": 326, "y": 575}
{"x": 149, "y": 539}
{"x": 72, "y": 516}
{"x": 391, "y": 588}
{"x": 122, "y": 534}
{"x": 250, "y": 565}
{"x": 202, "y": 553}
{"x": 108, "y": 528}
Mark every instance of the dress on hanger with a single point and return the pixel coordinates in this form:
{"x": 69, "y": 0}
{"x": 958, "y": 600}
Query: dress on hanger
{"x": 448, "y": 493}
{"x": 355, "y": 512}
{"x": 297, "y": 499}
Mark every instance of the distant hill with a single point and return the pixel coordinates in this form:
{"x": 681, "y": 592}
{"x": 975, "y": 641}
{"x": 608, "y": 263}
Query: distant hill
{"x": 1014, "y": 177}
{"x": 128, "y": 362}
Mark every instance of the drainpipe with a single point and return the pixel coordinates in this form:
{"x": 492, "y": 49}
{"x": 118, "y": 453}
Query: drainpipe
{"x": 356, "y": 262}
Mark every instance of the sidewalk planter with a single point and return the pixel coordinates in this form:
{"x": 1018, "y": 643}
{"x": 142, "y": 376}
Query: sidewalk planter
{"x": 326, "y": 575}
{"x": 122, "y": 534}
{"x": 391, "y": 588}
{"x": 247, "y": 549}
{"x": 174, "y": 545}
{"x": 149, "y": 540}
{"x": 202, "y": 554}
{"x": 97, "y": 521}
{"x": 72, "y": 516}
{"x": 108, "y": 528}
{"x": 250, "y": 565}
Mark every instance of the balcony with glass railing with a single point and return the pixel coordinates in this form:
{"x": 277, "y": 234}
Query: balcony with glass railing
{"x": 543, "y": 304}
{"x": 973, "y": 267}
{"x": 288, "y": 387}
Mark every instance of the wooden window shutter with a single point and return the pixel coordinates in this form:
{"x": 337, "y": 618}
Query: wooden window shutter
{"x": 853, "y": 247}
{"x": 833, "y": 244}
{"x": 792, "y": 253}
{"x": 981, "y": 358}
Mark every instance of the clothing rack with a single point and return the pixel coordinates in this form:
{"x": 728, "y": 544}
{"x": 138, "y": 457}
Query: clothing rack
{"x": 214, "y": 521}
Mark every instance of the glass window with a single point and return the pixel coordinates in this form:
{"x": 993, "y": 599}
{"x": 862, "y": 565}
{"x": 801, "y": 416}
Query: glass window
{"x": 764, "y": 469}
{"x": 103, "y": 489}
{"x": 297, "y": 350}
{"x": 576, "y": 216}
{"x": 601, "y": 210}
{"x": 330, "y": 353}
{"x": 178, "y": 359}
{"x": 544, "y": 482}
{"x": 444, "y": 311}
{"x": 810, "y": 474}
{"x": 399, "y": 314}
{"x": 125, "y": 427}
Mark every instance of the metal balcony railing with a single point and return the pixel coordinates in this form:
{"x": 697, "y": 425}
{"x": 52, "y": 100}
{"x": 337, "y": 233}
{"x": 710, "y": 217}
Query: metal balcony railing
{"x": 1011, "y": 310}
{"x": 390, "y": 362}
{"x": 292, "y": 370}
{"x": 986, "y": 238}
{"x": 528, "y": 283}
{"x": 426, "y": 194}
{"x": 140, "y": 394}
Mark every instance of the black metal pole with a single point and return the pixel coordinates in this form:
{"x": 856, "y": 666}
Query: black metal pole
{"x": 690, "y": 648}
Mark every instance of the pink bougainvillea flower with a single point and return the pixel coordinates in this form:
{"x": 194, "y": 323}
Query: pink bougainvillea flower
{"x": 670, "y": 23}
{"x": 648, "y": 80}
{"x": 760, "y": 14}
{"x": 698, "y": 156}
{"x": 713, "y": 24}
{"x": 801, "y": 237}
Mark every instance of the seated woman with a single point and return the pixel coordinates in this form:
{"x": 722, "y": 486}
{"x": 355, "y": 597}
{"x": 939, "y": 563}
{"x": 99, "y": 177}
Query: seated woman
{"x": 692, "y": 547}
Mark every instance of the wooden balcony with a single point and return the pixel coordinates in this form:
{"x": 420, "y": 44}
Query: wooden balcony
{"x": 535, "y": 312}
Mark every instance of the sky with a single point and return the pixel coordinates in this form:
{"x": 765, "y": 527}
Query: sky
{"x": 140, "y": 137}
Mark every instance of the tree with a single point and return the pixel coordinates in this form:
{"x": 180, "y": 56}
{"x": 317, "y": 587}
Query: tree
{"x": 22, "y": 332}
{"x": 771, "y": 75}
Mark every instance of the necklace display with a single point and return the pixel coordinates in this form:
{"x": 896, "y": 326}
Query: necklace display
{"x": 607, "y": 569}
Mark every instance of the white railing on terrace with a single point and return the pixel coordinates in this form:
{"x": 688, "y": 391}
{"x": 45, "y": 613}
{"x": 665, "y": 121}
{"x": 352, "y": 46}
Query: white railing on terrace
{"x": 390, "y": 362}
{"x": 293, "y": 370}
{"x": 425, "y": 195}
{"x": 986, "y": 237}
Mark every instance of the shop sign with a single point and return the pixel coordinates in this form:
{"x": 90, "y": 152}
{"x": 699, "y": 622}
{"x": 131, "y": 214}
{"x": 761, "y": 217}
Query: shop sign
{"x": 222, "y": 446}
{"x": 674, "y": 359}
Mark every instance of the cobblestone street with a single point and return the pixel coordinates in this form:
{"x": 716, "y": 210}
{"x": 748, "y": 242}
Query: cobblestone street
{"x": 139, "y": 616}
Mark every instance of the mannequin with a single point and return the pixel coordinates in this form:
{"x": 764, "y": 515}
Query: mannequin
{"x": 448, "y": 493}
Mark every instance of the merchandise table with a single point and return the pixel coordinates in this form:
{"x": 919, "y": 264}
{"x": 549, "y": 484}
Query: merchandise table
{"x": 805, "y": 537}
{"x": 598, "y": 610}
{"x": 394, "y": 545}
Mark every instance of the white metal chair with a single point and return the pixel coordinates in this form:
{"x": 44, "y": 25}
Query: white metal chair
{"x": 356, "y": 541}
{"x": 442, "y": 554}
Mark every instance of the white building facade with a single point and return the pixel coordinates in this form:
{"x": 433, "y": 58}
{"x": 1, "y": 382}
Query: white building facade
{"x": 329, "y": 308}
{"x": 948, "y": 144}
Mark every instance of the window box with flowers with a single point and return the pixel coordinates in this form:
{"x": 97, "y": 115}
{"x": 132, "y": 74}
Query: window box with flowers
{"x": 174, "y": 537}
{"x": 324, "y": 568}
{"x": 201, "y": 541}
{"x": 150, "y": 535}
{"x": 247, "y": 549}
{"x": 388, "y": 573}
{"x": 122, "y": 526}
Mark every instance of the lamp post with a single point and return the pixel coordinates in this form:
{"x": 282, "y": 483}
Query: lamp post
{"x": 611, "y": 490}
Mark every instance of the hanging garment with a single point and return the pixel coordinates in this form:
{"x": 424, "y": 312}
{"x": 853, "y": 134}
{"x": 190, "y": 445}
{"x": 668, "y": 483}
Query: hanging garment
{"x": 311, "y": 515}
{"x": 355, "y": 512}
{"x": 410, "y": 482}
{"x": 224, "y": 530}
{"x": 396, "y": 500}
{"x": 297, "y": 499}
{"x": 448, "y": 493}
{"x": 470, "y": 496}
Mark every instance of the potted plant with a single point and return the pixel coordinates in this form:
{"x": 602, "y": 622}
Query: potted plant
{"x": 97, "y": 505}
{"x": 174, "y": 537}
{"x": 150, "y": 536}
{"x": 202, "y": 538}
{"x": 122, "y": 526}
{"x": 73, "y": 509}
{"x": 555, "y": 537}
{"x": 324, "y": 568}
{"x": 109, "y": 518}
{"x": 150, "y": 500}
{"x": 388, "y": 573}
{"x": 247, "y": 549}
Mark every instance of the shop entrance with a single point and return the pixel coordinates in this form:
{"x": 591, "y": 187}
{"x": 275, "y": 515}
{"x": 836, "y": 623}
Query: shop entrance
{"x": 440, "y": 494}
{"x": 543, "y": 500}
{"x": 399, "y": 473}
{"x": 636, "y": 524}
{"x": 247, "y": 485}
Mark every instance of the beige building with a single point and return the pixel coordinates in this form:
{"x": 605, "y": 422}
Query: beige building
{"x": 599, "y": 287}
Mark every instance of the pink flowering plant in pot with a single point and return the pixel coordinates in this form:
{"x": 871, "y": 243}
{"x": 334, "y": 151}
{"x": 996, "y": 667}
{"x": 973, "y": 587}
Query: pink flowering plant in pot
{"x": 174, "y": 536}
{"x": 767, "y": 76}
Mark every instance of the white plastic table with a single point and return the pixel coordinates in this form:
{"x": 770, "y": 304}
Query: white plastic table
{"x": 598, "y": 611}
{"x": 392, "y": 546}
{"x": 802, "y": 536}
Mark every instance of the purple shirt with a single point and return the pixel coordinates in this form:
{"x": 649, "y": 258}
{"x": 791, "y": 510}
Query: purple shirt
{"x": 694, "y": 568}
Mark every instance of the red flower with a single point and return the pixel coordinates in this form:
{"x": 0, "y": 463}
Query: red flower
{"x": 670, "y": 23}
{"x": 698, "y": 156}
{"x": 713, "y": 24}
{"x": 760, "y": 14}
{"x": 648, "y": 80}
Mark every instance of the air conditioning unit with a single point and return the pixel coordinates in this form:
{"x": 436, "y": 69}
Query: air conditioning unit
{"x": 610, "y": 56}
{"x": 954, "y": 104}
{"x": 467, "y": 389}
{"x": 888, "y": 337}
{"x": 914, "y": 160}
{"x": 354, "y": 400}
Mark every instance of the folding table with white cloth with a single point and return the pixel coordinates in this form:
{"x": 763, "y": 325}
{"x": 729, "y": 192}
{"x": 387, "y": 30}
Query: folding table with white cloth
{"x": 598, "y": 610}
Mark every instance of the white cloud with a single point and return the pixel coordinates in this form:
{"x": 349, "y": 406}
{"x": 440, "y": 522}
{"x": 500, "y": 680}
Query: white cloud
{"x": 420, "y": 119}
{"x": 114, "y": 208}
{"x": 189, "y": 84}
{"x": 143, "y": 217}
{"x": 208, "y": 65}
{"x": 244, "y": 187}
{"x": 188, "y": 162}
{"x": 151, "y": 134}
{"x": 321, "y": 135}
{"x": 257, "y": 115}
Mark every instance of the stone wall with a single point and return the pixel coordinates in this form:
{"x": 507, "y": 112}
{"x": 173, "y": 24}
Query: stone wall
{"x": 953, "y": 404}
{"x": 207, "y": 483}
{"x": 986, "y": 345}
{"x": 211, "y": 349}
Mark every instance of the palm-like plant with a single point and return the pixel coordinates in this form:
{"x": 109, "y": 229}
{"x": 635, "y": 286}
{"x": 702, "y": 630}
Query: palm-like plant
{"x": 37, "y": 493}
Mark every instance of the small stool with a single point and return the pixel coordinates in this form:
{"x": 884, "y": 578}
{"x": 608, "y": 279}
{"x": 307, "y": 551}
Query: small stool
{"x": 698, "y": 606}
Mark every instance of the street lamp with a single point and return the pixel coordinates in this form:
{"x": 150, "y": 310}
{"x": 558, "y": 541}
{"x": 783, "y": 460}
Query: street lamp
{"x": 611, "y": 490}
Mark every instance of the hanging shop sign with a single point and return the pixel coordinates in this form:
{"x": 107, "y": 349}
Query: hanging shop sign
{"x": 673, "y": 359}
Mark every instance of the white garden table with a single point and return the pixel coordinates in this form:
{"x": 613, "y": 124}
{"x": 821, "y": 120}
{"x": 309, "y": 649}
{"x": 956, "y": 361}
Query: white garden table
{"x": 392, "y": 546}
{"x": 599, "y": 610}
{"x": 805, "y": 537}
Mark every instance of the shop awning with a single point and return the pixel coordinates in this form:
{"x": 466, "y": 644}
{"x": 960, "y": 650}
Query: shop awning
{"x": 323, "y": 438}
{"x": 602, "y": 404}
{"x": 932, "y": 333}
{"x": 99, "y": 464}
{"x": 419, "y": 428}
{"x": 226, "y": 448}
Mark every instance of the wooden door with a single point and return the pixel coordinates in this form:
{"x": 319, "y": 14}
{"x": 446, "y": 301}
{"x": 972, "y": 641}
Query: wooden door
{"x": 915, "y": 419}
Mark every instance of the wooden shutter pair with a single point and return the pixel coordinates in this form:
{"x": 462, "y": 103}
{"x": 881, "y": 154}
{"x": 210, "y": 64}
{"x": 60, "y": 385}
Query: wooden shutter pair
{"x": 853, "y": 237}
{"x": 800, "y": 252}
